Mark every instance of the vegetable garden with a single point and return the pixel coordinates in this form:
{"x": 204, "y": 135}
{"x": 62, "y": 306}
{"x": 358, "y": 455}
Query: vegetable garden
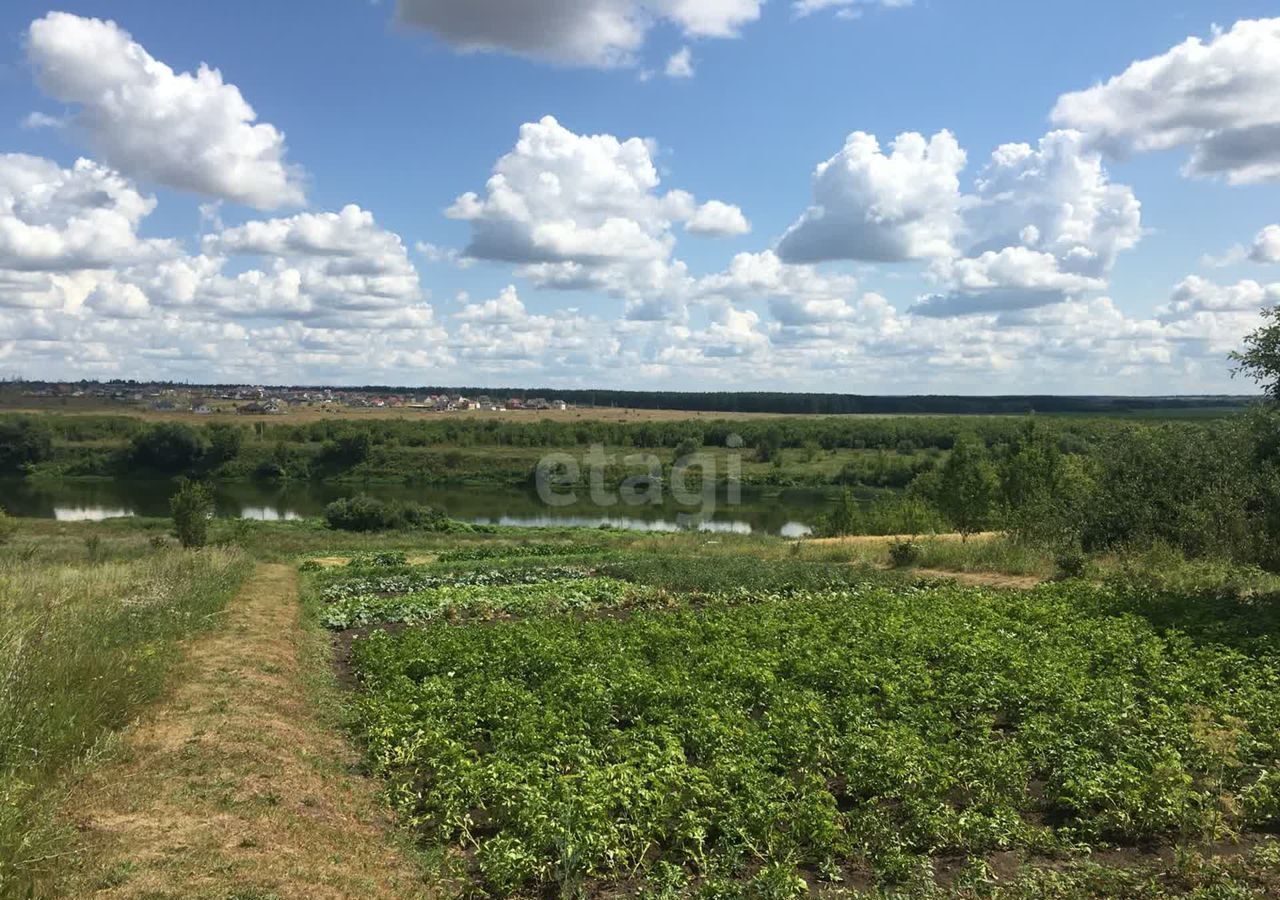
{"x": 603, "y": 724}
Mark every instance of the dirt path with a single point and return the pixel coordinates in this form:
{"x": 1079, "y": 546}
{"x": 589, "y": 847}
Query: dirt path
{"x": 236, "y": 786}
{"x": 982, "y": 579}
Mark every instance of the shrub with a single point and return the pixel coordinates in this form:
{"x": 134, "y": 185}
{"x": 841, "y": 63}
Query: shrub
{"x": 385, "y": 559}
{"x": 1070, "y": 564}
{"x": 364, "y": 513}
{"x": 8, "y": 526}
{"x": 166, "y": 447}
{"x": 904, "y": 553}
{"x": 23, "y": 441}
{"x": 225, "y": 441}
{"x": 191, "y": 507}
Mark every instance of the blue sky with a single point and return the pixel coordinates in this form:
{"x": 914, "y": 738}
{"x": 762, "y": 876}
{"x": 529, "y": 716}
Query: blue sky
{"x": 388, "y": 107}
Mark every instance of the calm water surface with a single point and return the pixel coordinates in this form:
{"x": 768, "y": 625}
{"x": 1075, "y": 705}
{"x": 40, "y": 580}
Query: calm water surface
{"x": 790, "y": 513}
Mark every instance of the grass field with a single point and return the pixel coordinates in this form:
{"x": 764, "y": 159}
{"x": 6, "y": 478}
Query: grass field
{"x": 90, "y": 632}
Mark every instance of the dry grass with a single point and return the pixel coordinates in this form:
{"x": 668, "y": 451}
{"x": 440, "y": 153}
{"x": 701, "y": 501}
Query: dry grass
{"x": 238, "y": 785}
{"x": 305, "y": 414}
{"x": 878, "y": 539}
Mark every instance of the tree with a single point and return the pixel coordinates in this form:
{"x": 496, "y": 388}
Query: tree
{"x": 1260, "y": 358}
{"x": 191, "y": 507}
{"x": 166, "y": 447}
{"x": 348, "y": 448}
{"x": 225, "y": 441}
{"x": 845, "y": 519}
{"x": 23, "y": 441}
{"x": 967, "y": 486}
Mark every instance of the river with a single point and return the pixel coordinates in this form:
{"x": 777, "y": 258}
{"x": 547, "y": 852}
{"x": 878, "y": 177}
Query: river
{"x": 790, "y": 512}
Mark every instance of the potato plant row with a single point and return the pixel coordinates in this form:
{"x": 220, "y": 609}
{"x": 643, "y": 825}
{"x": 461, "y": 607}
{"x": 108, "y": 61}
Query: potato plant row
{"x": 809, "y": 737}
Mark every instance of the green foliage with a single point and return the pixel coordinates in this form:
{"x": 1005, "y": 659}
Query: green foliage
{"x": 381, "y": 559}
{"x": 967, "y": 486}
{"x": 1071, "y": 563}
{"x": 511, "y": 550}
{"x": 225, "y": 442}
{"x": 1192, "y": 488}
{"x": 588, "y": 735}
{"x": 1260, "y": 358}
{"x": 365, "y": 513}
{"x": 1043, "y": 491}
{"x": 905, "y": 553}
{"x": 347, "y": 448}
{"x": 167, "y": 447}
{"x": 486, "y": 601}
{"x": 85, "y": 649}
{"x": 191, "y": 508}
{"x": 24, "y": 441}
{"x": 846, "y": 518}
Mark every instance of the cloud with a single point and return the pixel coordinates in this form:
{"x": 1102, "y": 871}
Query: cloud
{"x": 585, "y": 212}
{"x": 1198, "y": 295}
{"x": 1044, "y": 224}
{"x": 193, "y": 132}
{"x": 499, "y": 333}
{"x": 597, "y": 33}
{"x": 318, "y": 264}
{"x": 845, "y": 9}
{"x": 1219, "y": 98}
{"x": 1266, "y": 246}
{"x": 1055, "y": 198}
{"x": 796, "y": 294}
{"x": 716, "y": 219}
{"x": 680, "y": 64}
{"x": 57, "y": 220}
{"x": 868, "y": 205}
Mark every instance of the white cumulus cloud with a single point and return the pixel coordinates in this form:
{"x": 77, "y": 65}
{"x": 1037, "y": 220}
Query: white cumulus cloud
{"x": 193, "y": 132}
{"x": 869, "y": 205}
{"x": 54, "y": 219}
{"x": 1220, "y": 98}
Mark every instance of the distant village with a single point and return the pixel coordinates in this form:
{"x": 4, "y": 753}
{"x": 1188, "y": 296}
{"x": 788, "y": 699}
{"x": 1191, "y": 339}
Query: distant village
{"x": 266, "y": 401}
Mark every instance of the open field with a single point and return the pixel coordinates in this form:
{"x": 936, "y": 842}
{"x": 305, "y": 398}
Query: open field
{"x": 307, "y": 414}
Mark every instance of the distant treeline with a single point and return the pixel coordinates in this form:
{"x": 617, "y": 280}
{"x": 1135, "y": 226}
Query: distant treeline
{"x": 788, "y": 403}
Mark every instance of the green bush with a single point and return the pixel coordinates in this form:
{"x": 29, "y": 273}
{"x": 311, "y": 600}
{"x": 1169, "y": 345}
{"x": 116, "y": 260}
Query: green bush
{"x": 904, "y": 553}
{"x": 23, "y": 441}
{"x": 1071, "y": 564}
{"x": 166, "y": 447}
{"x": 364, "y": 513}
{"x": 191, "y": 508}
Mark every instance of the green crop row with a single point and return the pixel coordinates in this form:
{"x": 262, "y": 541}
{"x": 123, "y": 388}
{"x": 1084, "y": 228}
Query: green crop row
{"x": 453, "y": 602}
{"x": 834, "y": 734}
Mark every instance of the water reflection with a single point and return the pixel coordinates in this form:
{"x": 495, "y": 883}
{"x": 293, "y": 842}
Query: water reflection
{"x": 87, "y": 513}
